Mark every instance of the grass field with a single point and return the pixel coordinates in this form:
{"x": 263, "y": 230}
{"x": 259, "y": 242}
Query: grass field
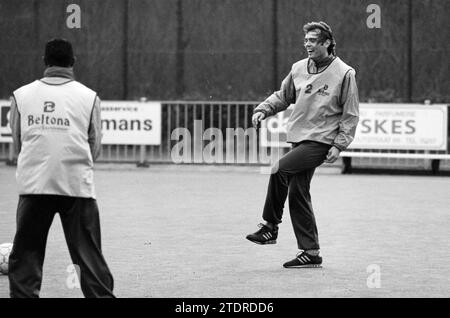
{"x": 171, "y": 231}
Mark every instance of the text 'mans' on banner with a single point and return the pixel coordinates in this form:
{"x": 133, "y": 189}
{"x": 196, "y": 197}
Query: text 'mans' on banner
{"x": 131, "y": 123}
{"x": 381, "y": 126}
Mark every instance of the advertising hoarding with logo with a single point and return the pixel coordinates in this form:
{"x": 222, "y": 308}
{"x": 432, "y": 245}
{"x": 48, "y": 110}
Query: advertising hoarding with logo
{"x": 381, "y": 126}
{"x": 131, "y": 123}
{"x": 123, "y": 122}
{"x": 5, "y": 131}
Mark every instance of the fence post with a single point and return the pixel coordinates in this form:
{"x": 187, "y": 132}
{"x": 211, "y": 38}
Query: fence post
{"x": 429, "y": 163}
{"x": 435, "y": 166}
{"x": 346, "y": 165}
{"x": 142, "y": 163}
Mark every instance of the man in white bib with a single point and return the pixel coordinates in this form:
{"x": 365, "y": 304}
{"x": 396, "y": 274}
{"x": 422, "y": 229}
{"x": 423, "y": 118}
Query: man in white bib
{"x": 323, "y": 122}
{"x": 56, "y": 128}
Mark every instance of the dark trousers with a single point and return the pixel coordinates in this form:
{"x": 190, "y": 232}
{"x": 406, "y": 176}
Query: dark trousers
{"x": 81, "y": 224}
{"x": 293, "y": 176}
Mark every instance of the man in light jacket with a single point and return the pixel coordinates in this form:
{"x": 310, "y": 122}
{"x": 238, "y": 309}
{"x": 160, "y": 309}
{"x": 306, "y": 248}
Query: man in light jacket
{"x": 56, "y": 128}
{"x": 323, "y": 122}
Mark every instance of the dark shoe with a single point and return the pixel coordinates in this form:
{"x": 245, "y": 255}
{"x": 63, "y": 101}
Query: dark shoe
{"x": 304, "y": 260}
{"x": 265, "y": 235}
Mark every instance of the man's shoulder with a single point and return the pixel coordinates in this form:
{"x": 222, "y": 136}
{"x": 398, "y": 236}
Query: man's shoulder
{"x": 300, "y": 63}
{"x": 25, "y": 87}
{"x": 83, "y": 87}
{"x": 299, "y": 67}
{"x": 344, "y": 65}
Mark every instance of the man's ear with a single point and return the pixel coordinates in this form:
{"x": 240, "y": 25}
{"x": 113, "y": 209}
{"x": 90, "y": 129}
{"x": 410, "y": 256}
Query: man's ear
{"x": 327, "y": 43}
{"x": 74, "y": 60}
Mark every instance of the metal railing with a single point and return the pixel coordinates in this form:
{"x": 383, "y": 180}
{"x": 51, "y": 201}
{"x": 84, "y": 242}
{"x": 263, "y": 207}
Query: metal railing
{"x": 230, "y": 115}
{"x": 218, "y": 115}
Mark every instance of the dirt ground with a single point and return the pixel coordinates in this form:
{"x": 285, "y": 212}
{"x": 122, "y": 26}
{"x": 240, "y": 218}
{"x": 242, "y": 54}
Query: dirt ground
{"x": 179, "y": 231}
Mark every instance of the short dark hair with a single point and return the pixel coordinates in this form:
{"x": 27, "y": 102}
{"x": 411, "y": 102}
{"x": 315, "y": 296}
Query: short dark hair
{"x": 325, "y": 33}
{"x": 59, "y": 52}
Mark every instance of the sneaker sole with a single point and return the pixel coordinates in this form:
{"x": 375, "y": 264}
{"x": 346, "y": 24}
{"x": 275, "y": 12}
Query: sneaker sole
{"x": 262, "y": 243}
{"x": 305, "y": 266}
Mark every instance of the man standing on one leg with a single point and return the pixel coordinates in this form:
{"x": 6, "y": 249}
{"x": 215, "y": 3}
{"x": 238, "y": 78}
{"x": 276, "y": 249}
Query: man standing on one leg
{"x": 56, "y": 128}
{"x": 322, "y": 124}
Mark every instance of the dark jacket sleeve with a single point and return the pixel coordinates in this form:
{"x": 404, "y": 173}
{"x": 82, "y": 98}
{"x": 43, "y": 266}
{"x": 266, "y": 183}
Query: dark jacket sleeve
{"x": 279, "y": 100}
{"x": 350, "y": 114}
{"x": 95, "y": 130}
{"x": 14, "y": 123}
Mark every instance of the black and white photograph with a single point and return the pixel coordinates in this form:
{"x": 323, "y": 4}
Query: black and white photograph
{"x": 223, "y": 155}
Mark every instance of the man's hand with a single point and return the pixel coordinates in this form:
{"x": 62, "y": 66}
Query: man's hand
{"x": 257, "y": 118}
{"x": 333, "y": 154}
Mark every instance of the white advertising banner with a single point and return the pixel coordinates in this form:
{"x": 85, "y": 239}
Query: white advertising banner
{"x": 381, "y": 126}
{"x": 123, "y": 122}
{"x": 131, "y": 123}
{"x": 402, "y": 126}
{"x": 5, "y": 131}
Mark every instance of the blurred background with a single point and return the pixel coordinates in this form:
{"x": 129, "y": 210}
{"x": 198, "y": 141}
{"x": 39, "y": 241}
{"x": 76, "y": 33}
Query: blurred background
{"x": 228, "y": 49}
{"x": 215, "y": 60}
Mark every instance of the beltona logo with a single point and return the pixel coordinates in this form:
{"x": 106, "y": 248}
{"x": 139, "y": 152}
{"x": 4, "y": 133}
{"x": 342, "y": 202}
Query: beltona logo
{"x": 49, "y": 107}
{"x": 47, "y": 119}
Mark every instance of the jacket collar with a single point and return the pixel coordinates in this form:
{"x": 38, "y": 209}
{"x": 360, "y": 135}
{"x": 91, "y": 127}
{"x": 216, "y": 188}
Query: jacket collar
{"x": 57, "y": 71}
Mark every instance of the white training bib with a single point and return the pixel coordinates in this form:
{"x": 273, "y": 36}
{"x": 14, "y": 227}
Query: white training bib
{"x": 55, "y": 157}
{"x": 317, "y": 109}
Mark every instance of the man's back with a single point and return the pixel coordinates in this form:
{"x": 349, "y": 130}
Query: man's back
{"x": 55, "y": 157}
{"x": 56, "y": 129}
